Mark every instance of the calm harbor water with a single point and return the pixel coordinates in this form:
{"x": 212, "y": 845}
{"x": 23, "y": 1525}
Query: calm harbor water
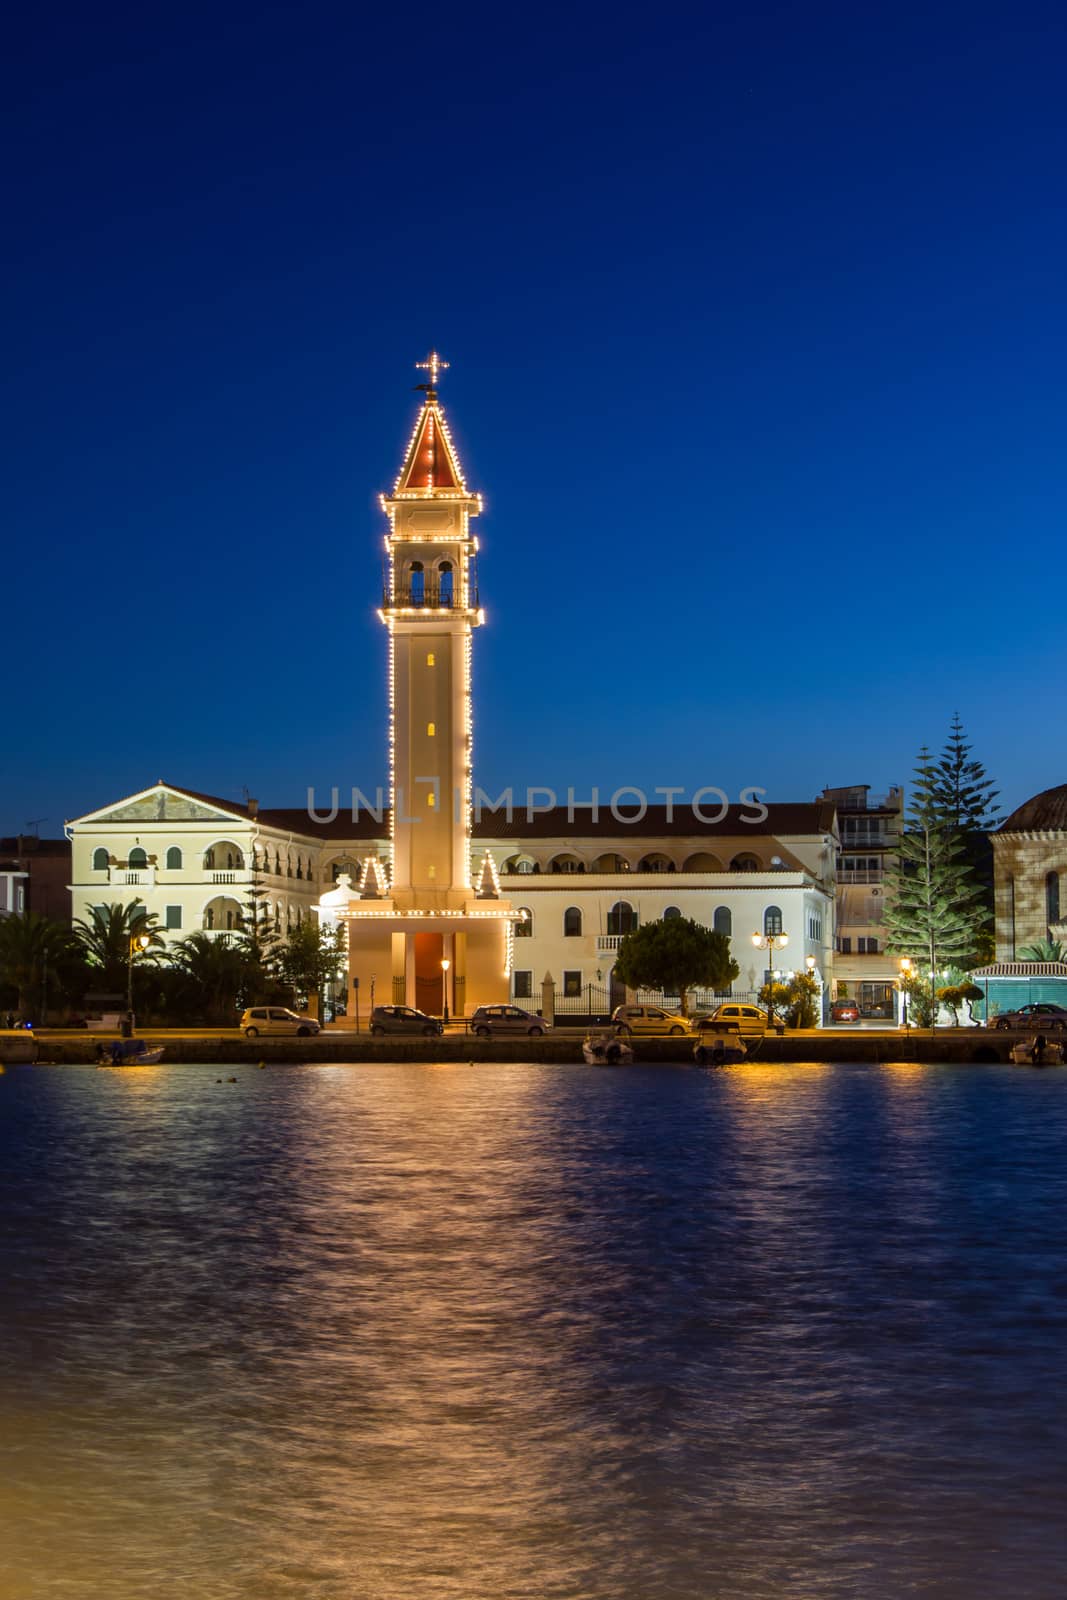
{"x": 474, "y": 1333}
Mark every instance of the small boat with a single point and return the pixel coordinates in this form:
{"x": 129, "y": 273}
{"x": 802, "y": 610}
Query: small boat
{"x": 17, "y": 1044}
{"x": 719, "y": 1049}
{"x": 1037, "y": 1052}
{"x": 606, "y": 1050}
{"x": 128, "y": 1053}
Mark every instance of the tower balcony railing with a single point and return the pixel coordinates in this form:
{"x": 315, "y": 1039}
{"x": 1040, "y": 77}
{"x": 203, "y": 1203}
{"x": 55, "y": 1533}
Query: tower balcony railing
{"x": 431, "y": 597}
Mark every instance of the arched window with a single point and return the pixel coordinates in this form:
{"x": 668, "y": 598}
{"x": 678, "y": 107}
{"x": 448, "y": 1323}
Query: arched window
{"x": 1052, "y": 897}
{"x": 772, "y": 921}
{"x": 174, "y": 859}
{"x": 572, "y": 923}
{"x": 524, "y": 928}
{"x": 446, "y": 584}
{"x": 209, "y": 918}
{"x": 622, "y": 918}
{"x": 417, "y": 593}
{"x": 744, "y": 863}
{"x": 723, "y": 921}
{"x": 671, "y": 911}
{"x": 137, "y": 858}
{"x": 101, "y": 860}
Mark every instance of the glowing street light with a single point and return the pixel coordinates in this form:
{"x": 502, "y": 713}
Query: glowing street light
{"x": 445, "y": 964}
{"x": 905, "y": 979}
{"x": 138, "y": 945}
{"x": 770, "y": 942}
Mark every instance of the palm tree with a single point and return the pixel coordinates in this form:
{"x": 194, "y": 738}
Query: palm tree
{"x": 106, "y": 937}
{"x": 1046, "y": 950}
{"x": 31, "y": 947}
{"x": 219, "y": 969}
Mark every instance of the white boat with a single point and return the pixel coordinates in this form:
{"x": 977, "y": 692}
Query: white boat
{"x": 606, "y": 1050}
{"x": 719, "y": 1049}
{"x": 17, "y": 1044}
{"x": 1037, "y": 1052}
{"x": 128, "y": 1053}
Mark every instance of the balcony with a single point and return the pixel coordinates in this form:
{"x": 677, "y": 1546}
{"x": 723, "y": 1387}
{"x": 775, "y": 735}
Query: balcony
{"x": 228, "y": 875}
{"x": 607, "y": 943}
{"x": 875, "y": 876}
{"x": 432, "y": 597}
{"x": 132, "y": 877}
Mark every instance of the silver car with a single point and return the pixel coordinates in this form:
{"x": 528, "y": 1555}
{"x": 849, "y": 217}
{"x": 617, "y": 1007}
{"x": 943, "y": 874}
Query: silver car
{"x": 488, "y": 1020}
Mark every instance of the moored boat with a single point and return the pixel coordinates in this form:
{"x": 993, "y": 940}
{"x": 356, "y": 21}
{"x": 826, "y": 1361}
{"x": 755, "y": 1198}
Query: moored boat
{"x": 719, "y": 1049}
{"x": 606, "y": 1050}
{"x": 1037, "y": 1052}
{"x": 128, "y": 1053}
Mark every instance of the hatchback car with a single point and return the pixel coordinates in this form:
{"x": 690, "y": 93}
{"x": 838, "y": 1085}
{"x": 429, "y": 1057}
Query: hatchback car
{"x": 276, "y": 1019}
{"x": 844, "y": 1011}
{"x": 648, "y": 1019}
{"x": 1041, "y": 1016}
{"x": 488, "y": 1020}
{"x": 404, "y": 1019}
{"x": 735, "y": 1017}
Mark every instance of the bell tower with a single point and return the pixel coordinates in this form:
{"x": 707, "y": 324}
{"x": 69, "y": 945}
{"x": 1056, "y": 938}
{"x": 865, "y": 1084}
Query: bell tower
{"x": 449, "y": 941}
{"x": 430, "y": 606}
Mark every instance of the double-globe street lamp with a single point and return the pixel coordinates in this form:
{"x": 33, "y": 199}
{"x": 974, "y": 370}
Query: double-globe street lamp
{"x": 770, "y": 942}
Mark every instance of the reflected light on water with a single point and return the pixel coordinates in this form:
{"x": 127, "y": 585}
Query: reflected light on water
{"x": 464, "y": 1333}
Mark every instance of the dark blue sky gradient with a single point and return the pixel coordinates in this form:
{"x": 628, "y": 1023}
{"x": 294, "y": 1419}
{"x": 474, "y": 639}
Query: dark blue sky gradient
{"x": 756, "y": 316}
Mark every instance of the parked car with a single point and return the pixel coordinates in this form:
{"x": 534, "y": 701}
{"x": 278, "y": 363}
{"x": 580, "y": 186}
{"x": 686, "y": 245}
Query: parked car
{"x": 844, "y": 1011}
{"x": 487, "y": 1020}
{"x": 404, "y": 1019}
{"x": 1042, "y": 1017}
{"x": 648, "y": 1020}
{"x": 276, "y": 1019}
{"x": 734, "y": 1017}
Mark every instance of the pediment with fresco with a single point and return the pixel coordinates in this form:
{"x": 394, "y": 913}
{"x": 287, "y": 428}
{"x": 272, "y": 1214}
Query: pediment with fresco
{"x": 163, "y": 805}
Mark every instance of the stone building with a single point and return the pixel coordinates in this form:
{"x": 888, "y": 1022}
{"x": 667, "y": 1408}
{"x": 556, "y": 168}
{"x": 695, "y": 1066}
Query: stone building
{"x": 1029, "y": 867}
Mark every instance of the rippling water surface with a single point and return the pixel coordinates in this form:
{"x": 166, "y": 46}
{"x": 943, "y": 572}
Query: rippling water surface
{"x": 472, "y": 1333}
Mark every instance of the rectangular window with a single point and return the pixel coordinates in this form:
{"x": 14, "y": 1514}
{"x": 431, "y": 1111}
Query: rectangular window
{"x": 868, "y": 947}
{"x": 523, "y": 985}
{"x": 844, "y": 946}
{"x": 431, "y": 730}
{"x": 572, "y": 983}
{"x": 172, "y": 917}
{"x": 430, "y": 662}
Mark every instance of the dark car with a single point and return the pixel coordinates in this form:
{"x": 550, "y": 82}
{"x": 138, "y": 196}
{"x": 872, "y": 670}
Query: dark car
{"x": 1042, "y": 1017}
{"x": 404, "y": 1019}
{"x": 844, "y": 1011}
{"x": 488, "y": 1020}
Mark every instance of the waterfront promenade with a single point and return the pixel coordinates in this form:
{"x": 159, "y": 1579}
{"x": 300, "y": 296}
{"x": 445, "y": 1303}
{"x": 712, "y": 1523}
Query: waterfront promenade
{"x": 561, "y": 1047}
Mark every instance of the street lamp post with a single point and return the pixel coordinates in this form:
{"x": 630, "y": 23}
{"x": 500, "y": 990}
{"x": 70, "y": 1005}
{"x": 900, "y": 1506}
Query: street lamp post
{"x": 138, "y": 945}
{"x": 905, "y": 975}
{"x": 445, "y": 964}
{"x": 770, "y": 942}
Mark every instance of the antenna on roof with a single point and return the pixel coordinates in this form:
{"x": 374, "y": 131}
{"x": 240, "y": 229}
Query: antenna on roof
{"x": 35, "y": 824}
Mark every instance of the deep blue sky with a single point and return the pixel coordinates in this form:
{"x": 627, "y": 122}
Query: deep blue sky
{"x": 756, "y": 316}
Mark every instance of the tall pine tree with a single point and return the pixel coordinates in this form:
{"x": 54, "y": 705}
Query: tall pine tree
{"x": 934, "y": 907}
{"x": 966, "y": 798}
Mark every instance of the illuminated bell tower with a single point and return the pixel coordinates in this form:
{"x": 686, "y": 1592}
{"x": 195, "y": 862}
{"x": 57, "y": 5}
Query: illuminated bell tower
{"x": 430, "y": 607}
{"x": 431, "y": 936}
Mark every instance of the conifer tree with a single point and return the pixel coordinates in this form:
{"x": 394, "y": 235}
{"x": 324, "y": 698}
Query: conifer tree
{"x": 960, "y": 787}
{"x": 934, "y": 907}
{"x": 965, "y": 797}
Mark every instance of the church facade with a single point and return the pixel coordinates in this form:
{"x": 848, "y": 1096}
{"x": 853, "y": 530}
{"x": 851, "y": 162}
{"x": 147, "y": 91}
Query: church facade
{"x": 448, "y": 904}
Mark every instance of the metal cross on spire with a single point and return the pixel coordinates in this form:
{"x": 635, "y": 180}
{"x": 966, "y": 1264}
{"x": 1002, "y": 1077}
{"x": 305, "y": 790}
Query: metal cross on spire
{"x": 433, "y": 365}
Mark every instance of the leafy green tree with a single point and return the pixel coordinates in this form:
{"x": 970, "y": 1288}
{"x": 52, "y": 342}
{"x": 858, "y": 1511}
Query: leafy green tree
{"x": 674, "y": 956}
{"x": 37, "y": 957}
{"x": 955, "y": 995}
{"x": 105, "y": 938}
{"x": 934, "y": 908}
{"x": 802, "y": 1000}
{"x": 312, "y": 958}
